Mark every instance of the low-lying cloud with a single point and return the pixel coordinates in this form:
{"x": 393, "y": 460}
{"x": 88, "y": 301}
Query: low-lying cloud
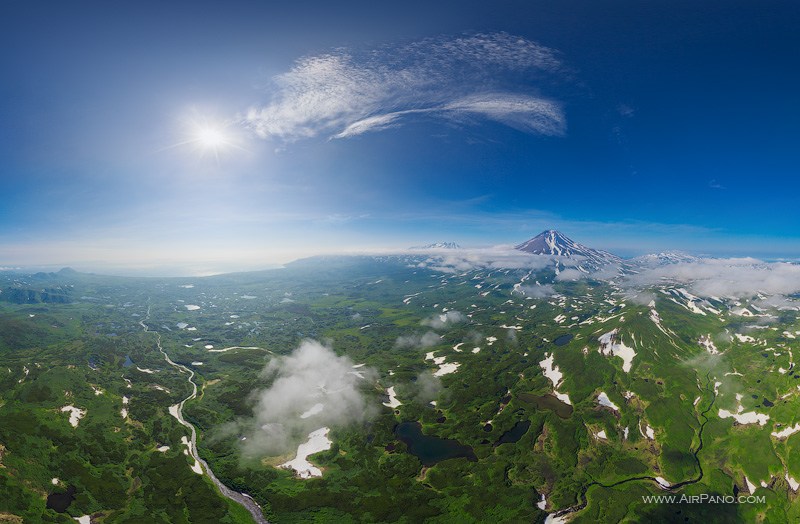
{"x": 537, "y": 291}
{"x": 499, "y": 257}
{"x": 427, "y": 387}
{"x": 443, "y": 320}
{"x": 343, "y": 94}
{"x": 310, "y": 388}
{"x": 731, "y": 277}
{"x": 425, "y": 340}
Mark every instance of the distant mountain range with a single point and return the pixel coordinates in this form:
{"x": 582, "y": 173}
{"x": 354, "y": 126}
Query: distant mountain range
{"x": 554, "y": 243}
{"x": 660, "y": 259}
{"x": 439, "y": 245}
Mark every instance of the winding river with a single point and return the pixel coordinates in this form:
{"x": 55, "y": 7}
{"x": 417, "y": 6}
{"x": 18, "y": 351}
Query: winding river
{"x": 177, "y": 412}
{"x": 672, "y": 487}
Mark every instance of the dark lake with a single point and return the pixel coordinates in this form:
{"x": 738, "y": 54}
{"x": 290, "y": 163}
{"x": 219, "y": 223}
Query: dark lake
{"x": 547, "y": 402}
{"x": 515, "y": 433}
{"x": 563, "y": 340}
{"x": 60, "y": 501}
{"x": 128, "y": 362}
{"x": 430, "y": 449}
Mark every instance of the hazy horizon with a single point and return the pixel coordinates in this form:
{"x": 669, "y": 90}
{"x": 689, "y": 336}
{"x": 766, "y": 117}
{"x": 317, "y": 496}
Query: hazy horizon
{"x": 148, "y": 268}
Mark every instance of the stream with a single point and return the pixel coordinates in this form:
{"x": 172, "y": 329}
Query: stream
{"x": 241, "y": 498}
{"x": 672, "y": 487}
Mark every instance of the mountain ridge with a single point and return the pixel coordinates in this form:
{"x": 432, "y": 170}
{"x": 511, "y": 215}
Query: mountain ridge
{"x": 553, "y": 242}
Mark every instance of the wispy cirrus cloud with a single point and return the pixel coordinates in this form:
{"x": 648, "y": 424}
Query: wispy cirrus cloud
{"x": 343, "y": 94}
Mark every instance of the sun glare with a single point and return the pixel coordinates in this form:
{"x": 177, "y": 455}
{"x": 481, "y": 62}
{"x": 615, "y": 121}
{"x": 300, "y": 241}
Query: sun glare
{"x": 208, "y": 137}
{"x": 211, "y": 137}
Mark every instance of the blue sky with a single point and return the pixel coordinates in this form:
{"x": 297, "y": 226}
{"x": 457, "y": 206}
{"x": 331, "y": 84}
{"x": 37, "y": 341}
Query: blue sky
{"x": 202, "y": 137}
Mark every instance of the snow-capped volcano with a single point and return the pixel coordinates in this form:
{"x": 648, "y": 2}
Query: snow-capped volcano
{"x": 552, "y": 242}
{"x": 439, "y": 245}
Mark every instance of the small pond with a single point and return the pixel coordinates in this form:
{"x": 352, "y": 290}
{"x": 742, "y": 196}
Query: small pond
{"x": 60, "y": 501}
{"x": 515, "y": 433}
{"x": 547, "y": 402}
{"x": 563, "y": 340}
{"x": 430, "y": 449}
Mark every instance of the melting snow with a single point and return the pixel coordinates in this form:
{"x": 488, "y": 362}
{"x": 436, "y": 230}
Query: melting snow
{"x": 393, "y": 402}
{"x": 75, "y": 414}
{"x": 751, "y": 417}
{"x": 191, "y": 307}
{"x": 603, "y": 399}
{"x": 785, "y": 432}
{"x": 563, "y": 397}
{"x": 552, "y": 372}
{"x": 663, "y": 482}
{"x": 317, "y": 441}
{"x": 648, "y": 433}
{"x": 611, "y": 344}
{"x": 751, "y": 488}
{"x": 446, "y": 369}
{"x": 792, "y": 483}
{"x": 706, "y": 342}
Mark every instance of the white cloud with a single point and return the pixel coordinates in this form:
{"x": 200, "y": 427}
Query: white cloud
{"x": 729, "y": 277}
{"x": 427, "y": 387}
{"x": 417, "y": 341}
{"x": 570, "y": 275}
{"x": 439, "y": 321}
{"x": 526, "y": 113}
{"x": 343, "y": 94}
{"x": 498, "y": 257}
{"x": 537, "y": 291}
{"x": 311, "y": 375}
{"x": 371, "y": 123}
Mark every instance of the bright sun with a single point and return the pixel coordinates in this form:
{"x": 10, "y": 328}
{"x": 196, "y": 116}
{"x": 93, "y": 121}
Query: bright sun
{"x": 211, "y": 138}
{"x": 207, "y": 137}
